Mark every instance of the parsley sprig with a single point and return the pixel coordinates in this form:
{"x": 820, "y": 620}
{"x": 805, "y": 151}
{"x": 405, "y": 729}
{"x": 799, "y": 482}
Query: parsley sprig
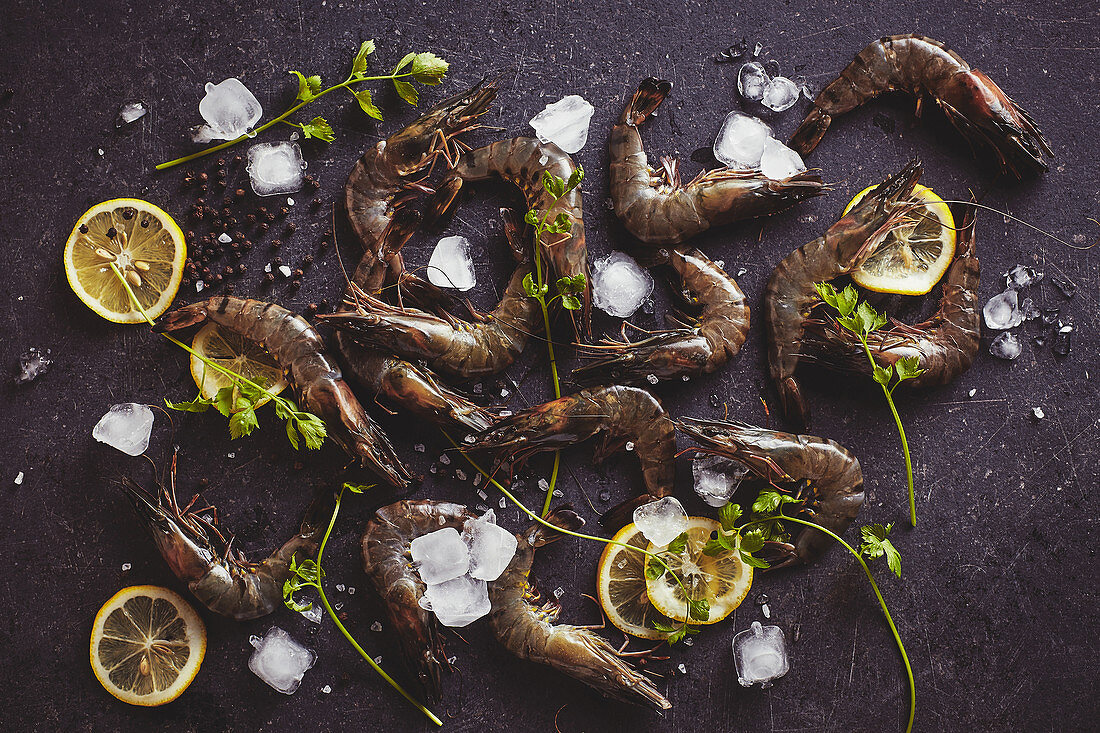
{"x": 862, "y": 319}
{"x": 423, "y": 68}
{"x": 308, "y": 574}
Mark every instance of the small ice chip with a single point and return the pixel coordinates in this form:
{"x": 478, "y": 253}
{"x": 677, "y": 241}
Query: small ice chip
{"x": 780, "y": 94}
{"x": 351, "y": 590}
{"x": 280, "y": 661}
{"x": 130, "y": 112}
{"x": 629, "y": 445}
{"x": 752, "y": 81}
{"x": 340, "y": 587}
{"x": 126, "y": 566}
{"x": 779, "y": 162}
{"x": 230, "y": 110}
{"x": 481, "y": 493}
{"x": 224, "y": 238}
{"x": 1022, "y": 276}
{"x": 314, "y": 613}
{"x": 376, "y": 626}
{"x": 284, "y": 270}
{"x": 652, "y": 378}
{"x": 682, "y": 667}
{"x": 619, "y": 285}
{"x": 662, "y": 520}
{"x": 564, "y": 123}
{"x": 419, "y": 448}
{"x": 275, "y": 168}
{"x": 1037, "y": 413}
{"x": 760, "y": 655}
{"x": 126, "y": 427}
{"x": 451, "y": 266}
{"x": 1068, "y": 288}
{"x": 1029, "y": 310}
{"x": 19, "y": 479}
{"x": 716, "y": 478}
{"x": 267, "y": 267}
{"x": 1006, "y": 346}
{"x": 972, "y": 392}
{"x": 605, "y": 495}
{"x": 1003, "y": 311}
{"x": 99, "y": 152}
{"x": 230, "y": 455}
{"x": 32, "y": 365}
{"x": 502, "y": 503}
{"x": 757, "y": 49}
{"x": 289, "y": 201}
{"x": 543, "y": 484}
{"x": 688, "y": 641}
{"x": 766, "y": 610}
{"x": 445, "y": 459}
{"x": 199, "y": 285}
{"x": 460, "y": 601}
{"x": 740, "y": 142}
{"x": 558, "y": 593}
{"x": 326, "y": 689}
{"x": 440, "y": 556}
{"x": 460, "y": 474}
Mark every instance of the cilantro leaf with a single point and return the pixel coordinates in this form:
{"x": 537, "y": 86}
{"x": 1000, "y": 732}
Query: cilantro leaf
{"x": 753, "y": 540}
{"x": 883, "y": 376}
{"x": 768, "y": 501}
{"x": 575, "y": 178}
{"x": 405, "y": 61}
{"x": 729, "y": 514}
{"x": 679, "y": 544}
{"x": 357, "y": 488}
{"x": 224, "y": 401}
{"x": 699, "y": 609}
{"x": 308, "y": 86}
{"x": 243, "y": 422}
{"x": 318, "y": 128}
{"x": 876, "y": 545}
{"x": 530, "y": 286}
{"x": 654, "y": 569}
{"x": 753, "y": 561}
{"x": 908, "y": 367}
{"x": 571, "y": 302}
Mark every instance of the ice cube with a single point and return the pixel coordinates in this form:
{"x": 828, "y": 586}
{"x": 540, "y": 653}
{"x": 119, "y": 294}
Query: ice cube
{"x": 1037, "y": 413}
{"x": 451, "y": 266}
{"x": 564, "y": 123}
{"x": 224, "y": 238}
{"x": 230, "y": 110}
{"x": 1022, "y": 276}
{"x": 376, "y": 626}
{"x": 314, "y": 613}
{"x": 1003, "y": 311}
{"x": 1068, "y": 288}
{"x": 619, "y": 285}
{"x": 280, "y": 661}
{"x": 285, "y": 271}
{"x": 440, "y": 555}
{"x": 760, "y": 655}
{"x": 740, "y": 142}
{"x": 1006, "y": 346}
{"x": 491, "y": 547}
{"x": 126, "y": 427}
{"x": 275, "y": 168}
{"x": 1061, "y": 344}
{"x": 780, "y": 94}
{"x": 459, "y": 601}
{"x": 1029, "y": 310}
{"x": 778, "y": 161}
{"x": 19, "y": 479}
{"x": 32, "y": 365}
{"x": 662, "y": 520}
{"x": 130, "y": 112}
{"x": 716, "y": 478}
{"x": 751, "y": 81}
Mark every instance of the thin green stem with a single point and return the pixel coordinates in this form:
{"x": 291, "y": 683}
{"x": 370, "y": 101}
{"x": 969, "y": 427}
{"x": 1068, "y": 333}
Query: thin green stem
{"x": 901, "y": 432}
{"x": 550, "y": 348}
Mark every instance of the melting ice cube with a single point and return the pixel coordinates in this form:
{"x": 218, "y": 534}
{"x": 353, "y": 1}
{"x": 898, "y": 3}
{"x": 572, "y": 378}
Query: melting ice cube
{"x": 32, "y": 365}
{"x": 780, "y": 94}
{"x": 1006, "y": 346}
{"x": 760, "y": 655}
{"x": 1022, "y": 276}
{"x": 126, "y": 427}
{"x": 1003, "y": 311}
{"x": 451, "y": 266}
{"x": 491, "y": 547}
{"x": 778, "y": 161}
{"x": 662, "y": 520}
{"x": 460, "y": 601}
{"x": 130, "y": 112}
{"x": 280, "y": 661}
{"x": 751, "y": 81}
{"x": 440, "y": 555}
{"x": 275, "y": 168}
{"x": 230, "y": 110}
{"x": 314, "y": 613}
{"x": 619, "y": 285}
{"x": 740, "y": 142}
{"x": 716, "y": 478}
{"x": 564, "y": 123}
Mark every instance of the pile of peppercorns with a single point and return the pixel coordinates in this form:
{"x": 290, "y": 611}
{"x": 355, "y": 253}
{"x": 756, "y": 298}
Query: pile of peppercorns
{"x": 223, "y": 226}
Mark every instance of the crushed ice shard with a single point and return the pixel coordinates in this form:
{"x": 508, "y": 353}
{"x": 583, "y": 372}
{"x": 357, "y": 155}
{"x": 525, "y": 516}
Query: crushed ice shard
{"x": 751, "y": 81}
{"x": 1006, "y": 346}
{"x": 740, "y": 142}
{"x": 1003, "y": 311}
{"x": 126, "y": 427}
{"x": 564, "y": 123}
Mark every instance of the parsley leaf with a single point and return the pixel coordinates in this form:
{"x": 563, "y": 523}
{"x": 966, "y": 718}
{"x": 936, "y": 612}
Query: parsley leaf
{"x": 308, "y": 86}
{"x": 679, "y": 544}
{"x": 406, "y": 91}
{"x": 729, "y": 514}
{"x": 876, "y": 545}
{"x": 359, "y": 64}
{"x": 366, "y": 103}
{"x": 199, "y": 404}
{"x": 319, "y": 128}
{"x": 427, "y": 68}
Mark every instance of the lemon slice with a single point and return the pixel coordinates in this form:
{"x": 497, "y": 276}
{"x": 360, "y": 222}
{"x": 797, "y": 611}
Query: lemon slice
{"x": 621, "y": 587}
{"x": 236, "y": 353}
{"x": 723, "y": 580}
{"x": 147, "y": 645}
{"x": 144, "y": 243}
{"x": 913, "y": 257}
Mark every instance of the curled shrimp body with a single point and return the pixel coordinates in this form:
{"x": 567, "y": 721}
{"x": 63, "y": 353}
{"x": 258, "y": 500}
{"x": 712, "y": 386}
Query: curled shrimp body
{"x": 790, "y": 293}
{"x": 522, "y": 161}
{"x": 219, "y": 577}
{"x": 530, "y": 633}
{"x": 977, "y": 107}
{"x": 658, "y": 209}
{"x": 387, "y": 560}
{"x": 299, "y": 350}
{"x": 945, "y": 345}
{"x": 830, "y": 478}
{"x": 703, "y": 345}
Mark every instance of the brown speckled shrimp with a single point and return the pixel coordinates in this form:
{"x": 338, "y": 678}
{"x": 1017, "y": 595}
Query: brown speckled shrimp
{"x": 977, "y": 107}
{"x": 299, "y": 350}
{"x": 828, "y": 478}
{"x": 529, "y": 631}
{"x": 388, "y": 563}
{"x": 657, "y": 208}
{"x": 701, "y": 346}
{"x": 944, "y": 345}
{"x": 790, "y": 293}
{"x": 522, "y": 161}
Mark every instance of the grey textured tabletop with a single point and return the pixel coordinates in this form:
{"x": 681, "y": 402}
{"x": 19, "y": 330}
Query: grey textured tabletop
{"x": 996, "y": 606}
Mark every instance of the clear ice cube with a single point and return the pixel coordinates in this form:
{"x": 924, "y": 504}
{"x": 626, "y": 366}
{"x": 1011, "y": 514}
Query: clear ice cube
{"x": 280, "y": 661}
{"x": 230, "y": 110}
{"x": 491, "y": 547}
{"x": 1006, "y": 346}
{"x": 619, "y": 285}
{"x": 716, "y": 478}
{"x": 276, "y": 168}
{"x": 451, "y": 266}
{"x": 662, "y": 520}
{"x": 751, "y": 81}
{"x": 33, "y": 363}
{"x": 1029, "y": 310}
{"x": 126, "y": 427}
{"x": 778, "y": 161}
{"x": 1003, "y": 311}
{"x": 1022, "y": 276}
{"x": 760, "y": 655}
{"x": 780, "y": 94}
{"x": 459, "y": 601}
{"x": 314, "y": 613}
{"x": 564, "y": 123}
{"x": 740, "y": 142}
{"x": 130, "y": 112}
{"x": 440, "y": 555}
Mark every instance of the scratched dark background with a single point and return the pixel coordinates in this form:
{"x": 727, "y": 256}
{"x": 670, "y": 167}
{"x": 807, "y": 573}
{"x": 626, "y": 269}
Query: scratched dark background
{"x": 997, "y": 604}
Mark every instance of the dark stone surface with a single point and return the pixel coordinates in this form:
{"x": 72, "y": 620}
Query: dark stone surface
{"x": 997, "y": 606}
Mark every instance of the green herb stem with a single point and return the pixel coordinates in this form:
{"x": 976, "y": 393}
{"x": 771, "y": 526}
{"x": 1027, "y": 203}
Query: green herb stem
{"x": 550, "y": 348}
{"x": 904, "y": 442}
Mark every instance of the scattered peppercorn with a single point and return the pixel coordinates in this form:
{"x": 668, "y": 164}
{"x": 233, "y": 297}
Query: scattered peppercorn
{"x": 269, "y": 278}
{"x": 276, "y": 243}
